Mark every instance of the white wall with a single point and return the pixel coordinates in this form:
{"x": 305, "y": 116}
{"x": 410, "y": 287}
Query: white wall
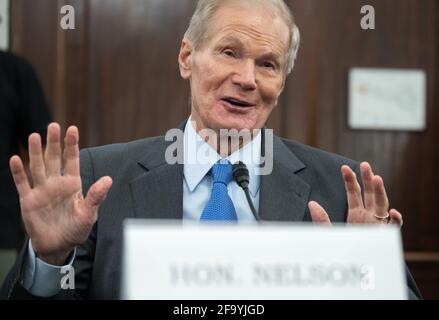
{"x": 4, "y": 24}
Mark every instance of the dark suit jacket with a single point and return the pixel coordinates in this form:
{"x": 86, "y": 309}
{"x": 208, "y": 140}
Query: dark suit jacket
{"x": 145, "y": 186}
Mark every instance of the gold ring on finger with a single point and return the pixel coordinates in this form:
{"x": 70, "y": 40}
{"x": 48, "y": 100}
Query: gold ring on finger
{"x": 385, "y": 218}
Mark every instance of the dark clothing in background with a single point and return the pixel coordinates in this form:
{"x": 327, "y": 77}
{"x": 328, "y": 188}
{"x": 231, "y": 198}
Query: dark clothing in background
{"x": 23, "y": 110}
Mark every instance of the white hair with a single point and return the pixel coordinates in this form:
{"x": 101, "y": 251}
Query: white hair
{"x": 197, "y": 31}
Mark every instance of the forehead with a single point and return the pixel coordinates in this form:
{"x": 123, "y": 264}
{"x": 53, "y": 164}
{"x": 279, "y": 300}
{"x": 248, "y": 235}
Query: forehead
{"x": 256, "y": 25}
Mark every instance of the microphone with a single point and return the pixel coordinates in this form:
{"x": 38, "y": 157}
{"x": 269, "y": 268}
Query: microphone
{"x": 242, "y": 178}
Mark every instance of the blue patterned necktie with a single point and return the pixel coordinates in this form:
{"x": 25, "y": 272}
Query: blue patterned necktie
{"x": 220, "y": 206}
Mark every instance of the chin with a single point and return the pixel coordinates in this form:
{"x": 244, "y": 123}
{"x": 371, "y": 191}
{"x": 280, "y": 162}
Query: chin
{"x": 238, "y": 121}
{"x": 234, "y": 122}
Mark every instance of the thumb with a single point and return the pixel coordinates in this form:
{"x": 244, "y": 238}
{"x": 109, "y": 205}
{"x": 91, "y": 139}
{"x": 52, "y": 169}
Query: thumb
{"x": 98, "y": 192}
{"x": 318, "y": 214}
{"x": 396, "y": 217}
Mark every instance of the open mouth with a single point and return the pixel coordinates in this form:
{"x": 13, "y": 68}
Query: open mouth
{"x": 238, "y": 103}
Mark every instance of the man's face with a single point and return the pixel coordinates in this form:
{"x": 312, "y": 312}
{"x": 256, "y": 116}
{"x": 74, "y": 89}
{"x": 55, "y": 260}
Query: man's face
{"x": 238, "y": 73}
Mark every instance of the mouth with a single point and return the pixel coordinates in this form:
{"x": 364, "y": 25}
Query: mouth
{"x": 238, "y": 103}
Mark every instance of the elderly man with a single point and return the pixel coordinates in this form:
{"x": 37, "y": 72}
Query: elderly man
{"x": 237, "y": 65}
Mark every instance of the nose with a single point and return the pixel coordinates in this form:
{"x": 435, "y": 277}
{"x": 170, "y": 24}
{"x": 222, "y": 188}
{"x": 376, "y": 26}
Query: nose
{"x": 244, "y": 75}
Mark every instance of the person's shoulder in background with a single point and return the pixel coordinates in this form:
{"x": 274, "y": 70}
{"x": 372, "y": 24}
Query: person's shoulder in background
{"x": 19, "y": 83}
{"x": 12, "y": 65}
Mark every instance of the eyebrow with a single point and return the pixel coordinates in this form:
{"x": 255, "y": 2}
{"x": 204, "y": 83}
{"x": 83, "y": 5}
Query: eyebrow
{"x": 237, "y": 42}
{"x": 271, "y": 56}
{"x": 231, "y": 39}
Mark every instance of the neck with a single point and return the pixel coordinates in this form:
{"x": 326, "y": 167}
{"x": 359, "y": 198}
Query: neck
{"x": 225, "y": 141}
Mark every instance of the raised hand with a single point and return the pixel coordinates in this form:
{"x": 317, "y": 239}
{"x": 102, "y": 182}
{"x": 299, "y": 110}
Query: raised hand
{"x": 56, "y": 215}
{"x": 373, "y": 210}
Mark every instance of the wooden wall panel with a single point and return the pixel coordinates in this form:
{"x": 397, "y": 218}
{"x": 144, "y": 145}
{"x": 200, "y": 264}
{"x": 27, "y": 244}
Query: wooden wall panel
{"x": 134, "y": 70}
{"x": 34, "y": 36}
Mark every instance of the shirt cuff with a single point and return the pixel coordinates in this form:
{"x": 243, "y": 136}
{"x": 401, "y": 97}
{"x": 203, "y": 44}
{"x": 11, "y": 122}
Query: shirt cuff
{"x": 40, "y": 278}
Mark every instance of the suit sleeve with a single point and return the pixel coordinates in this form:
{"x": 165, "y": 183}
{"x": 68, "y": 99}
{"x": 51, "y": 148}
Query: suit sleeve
{"x": 12, "y": 288}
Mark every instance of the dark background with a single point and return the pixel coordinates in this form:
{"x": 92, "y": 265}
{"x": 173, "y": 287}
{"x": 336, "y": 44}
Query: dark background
{"x": 116, "y": 77}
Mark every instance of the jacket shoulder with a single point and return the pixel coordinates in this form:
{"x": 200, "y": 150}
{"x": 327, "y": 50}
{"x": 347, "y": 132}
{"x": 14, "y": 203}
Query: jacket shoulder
{"x": 119, "y": 161}
{"x": 315, "y": 158}
{"x": 133, "y": 149}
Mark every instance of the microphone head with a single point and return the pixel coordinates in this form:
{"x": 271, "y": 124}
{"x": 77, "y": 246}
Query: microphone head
{"x": 240, "y": 174}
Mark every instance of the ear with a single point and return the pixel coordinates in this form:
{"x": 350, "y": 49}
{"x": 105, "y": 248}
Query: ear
{"x": 284, "y": 80}
{"x": 281, "y": 88}
{"x": 283, "y": 85}
{"x": 185, "y": 59}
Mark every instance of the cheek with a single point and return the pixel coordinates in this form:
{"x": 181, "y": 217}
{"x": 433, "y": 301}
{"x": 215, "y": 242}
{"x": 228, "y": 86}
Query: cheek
{"x": 203, "y": 79}
{"x": 209, "y": 85}
{"x": 270, "y": 95}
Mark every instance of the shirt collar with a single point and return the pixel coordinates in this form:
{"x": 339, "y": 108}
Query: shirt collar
{"x": 199, "y": 158}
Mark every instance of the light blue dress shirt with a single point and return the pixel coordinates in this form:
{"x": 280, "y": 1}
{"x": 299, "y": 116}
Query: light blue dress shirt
{"x": 42, "y": 279}
{"x": 199, "y": 158}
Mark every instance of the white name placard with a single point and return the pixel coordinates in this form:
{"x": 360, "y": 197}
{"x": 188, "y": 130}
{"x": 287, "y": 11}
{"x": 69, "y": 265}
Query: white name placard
{"x": 175, "y": 261}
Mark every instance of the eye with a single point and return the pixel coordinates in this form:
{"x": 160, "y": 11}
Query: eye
{"x": 269, "y": 65}
{"x": 229, "y": 53}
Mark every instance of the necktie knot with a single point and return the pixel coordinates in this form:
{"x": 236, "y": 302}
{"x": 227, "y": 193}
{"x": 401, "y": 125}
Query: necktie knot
{"x": 222, "y": 172}
{"x": 220, "y": 206}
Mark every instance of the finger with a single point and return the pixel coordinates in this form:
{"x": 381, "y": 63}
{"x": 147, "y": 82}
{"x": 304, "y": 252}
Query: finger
{"x": 367, "y": 177}
{"x": 381, "y": 201}
{"x": 353, "y": 189}
{"x": 396, "y": 218}
{"x": 71, "y": 152}
{"x": 19, "y": 175}
{"x": 36, "y": 162}
{"x": 97, "y": 193}
{"x": 53, "y": 150}
{"x": 318, "y": 214}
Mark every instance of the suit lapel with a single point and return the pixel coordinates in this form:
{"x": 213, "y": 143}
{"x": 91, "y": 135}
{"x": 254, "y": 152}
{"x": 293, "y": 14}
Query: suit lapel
{"x": 158, "y": 192}
{"x": 284, "y": 195}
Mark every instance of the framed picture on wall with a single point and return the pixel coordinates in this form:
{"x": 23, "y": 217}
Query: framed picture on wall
{"x": 387, "y": 99}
